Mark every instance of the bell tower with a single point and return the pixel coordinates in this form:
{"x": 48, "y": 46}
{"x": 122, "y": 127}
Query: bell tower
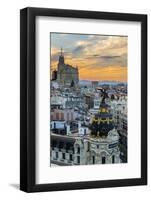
{"x": 61, "y": 57}
{"x": 61, "y": 65}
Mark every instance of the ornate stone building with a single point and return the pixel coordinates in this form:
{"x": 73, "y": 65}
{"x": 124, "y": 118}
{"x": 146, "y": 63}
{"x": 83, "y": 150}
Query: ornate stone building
{"x": 67, "y": 75}
{"x": 100, "y": 146}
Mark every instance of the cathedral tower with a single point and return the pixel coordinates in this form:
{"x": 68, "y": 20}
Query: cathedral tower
{"x": 61, "y": 57}
{"x": 67, "y": 75}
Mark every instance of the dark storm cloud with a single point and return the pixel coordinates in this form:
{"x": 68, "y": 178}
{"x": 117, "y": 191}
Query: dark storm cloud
{"x": 108, "y": 60}
{"x": 78, "y": 49}
{"x": 106, "y": 57}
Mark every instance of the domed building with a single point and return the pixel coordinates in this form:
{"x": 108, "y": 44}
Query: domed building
{"x": 101, "y": 146}
{"x": 102, "y": 122}
{"x": 104, "y": 138}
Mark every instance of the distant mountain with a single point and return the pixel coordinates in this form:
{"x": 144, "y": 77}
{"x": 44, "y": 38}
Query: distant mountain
{"x": 85, "y": 82}
{"x": 88, "y": 83}
{"x": 111, "y": 83}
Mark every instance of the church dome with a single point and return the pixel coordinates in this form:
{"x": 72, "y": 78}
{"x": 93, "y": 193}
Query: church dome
{"x": 102, "y": 122}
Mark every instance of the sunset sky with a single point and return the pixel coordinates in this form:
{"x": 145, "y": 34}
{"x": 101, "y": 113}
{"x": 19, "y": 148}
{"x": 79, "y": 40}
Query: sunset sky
{"x": 98, "y": 57}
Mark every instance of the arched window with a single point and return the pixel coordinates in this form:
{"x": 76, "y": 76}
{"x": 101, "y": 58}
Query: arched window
{"x": 71, "y": 157}
{"x": 93, "y": 159}
{"x": 78, "y": 149}
{"x": 113, "y": 159}
{"x": 103, "y": 160}
{"x": 56, "y": 154}
{"x": 78, "y": 159}
{"x": 63, "y": 156}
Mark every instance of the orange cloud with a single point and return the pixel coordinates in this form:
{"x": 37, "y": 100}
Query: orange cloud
{"x": 109, "y": 73}
{"x": 97, "y": 58}
{"x": 87, "y": 71}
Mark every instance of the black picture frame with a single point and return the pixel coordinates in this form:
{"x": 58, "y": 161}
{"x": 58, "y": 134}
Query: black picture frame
{"x": 28, "y": 99}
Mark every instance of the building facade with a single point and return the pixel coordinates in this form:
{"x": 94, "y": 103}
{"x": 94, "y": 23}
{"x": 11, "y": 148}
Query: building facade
{"x": 96, "y": 144}
{"x": 67, "y": 75}
{"x": 69, "y": 150}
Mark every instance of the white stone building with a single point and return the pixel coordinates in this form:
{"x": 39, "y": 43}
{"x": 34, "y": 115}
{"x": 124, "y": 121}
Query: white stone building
{"x": 78, "y": 150}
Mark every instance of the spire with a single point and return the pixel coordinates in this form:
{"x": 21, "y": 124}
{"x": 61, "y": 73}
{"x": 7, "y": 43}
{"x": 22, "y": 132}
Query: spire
{"x": 61, "y": 52}
{"x": 61, "y": 57}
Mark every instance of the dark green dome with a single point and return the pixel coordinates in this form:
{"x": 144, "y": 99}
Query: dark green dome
{"x": 102, "y": 122}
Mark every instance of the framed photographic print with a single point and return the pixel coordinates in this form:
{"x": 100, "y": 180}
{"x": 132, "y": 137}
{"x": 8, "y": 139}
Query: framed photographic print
{"x": 83, "y": 99}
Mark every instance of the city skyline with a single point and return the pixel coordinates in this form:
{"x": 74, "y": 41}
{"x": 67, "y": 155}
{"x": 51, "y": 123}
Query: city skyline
{"x": 98, "y": 57}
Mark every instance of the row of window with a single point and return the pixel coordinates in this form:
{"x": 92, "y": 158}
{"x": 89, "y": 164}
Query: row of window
{"x": 64, "y": 156}
{"x": 62, "y": 116}
{"x": 70, "y": 157}
{"x": 103, "y": 159}
{"x": 78, "y": 158}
